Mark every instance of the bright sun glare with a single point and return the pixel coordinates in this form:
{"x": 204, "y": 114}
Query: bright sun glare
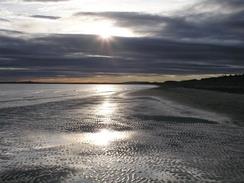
{"x": 106, "y": 31}
{"x": 104, "y": 137}
{"x": 104, "y": 89}
{"x": 105, "y": 35}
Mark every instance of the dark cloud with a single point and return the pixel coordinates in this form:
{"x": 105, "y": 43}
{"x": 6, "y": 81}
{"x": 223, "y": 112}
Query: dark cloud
{"x": 74, "y": 55}
{"x": 4, "y": 20}
{"x": 223, "y": 4}
{"x": 10, "y": 32}
{"x": 45, "y": 17}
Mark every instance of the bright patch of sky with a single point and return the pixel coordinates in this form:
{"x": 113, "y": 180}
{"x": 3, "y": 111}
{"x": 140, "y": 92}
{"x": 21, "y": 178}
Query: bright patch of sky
{"x": 19, "y": 15}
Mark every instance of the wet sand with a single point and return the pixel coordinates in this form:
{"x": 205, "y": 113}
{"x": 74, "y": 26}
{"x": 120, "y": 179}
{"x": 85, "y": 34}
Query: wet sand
{"x": 118, "y": 137}
{"x": 226, "y": 104}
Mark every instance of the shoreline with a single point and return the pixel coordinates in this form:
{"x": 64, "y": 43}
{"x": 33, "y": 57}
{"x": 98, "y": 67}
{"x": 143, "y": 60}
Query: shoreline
{"x": 126, "y": 83}
{"x": 227, "y": 104}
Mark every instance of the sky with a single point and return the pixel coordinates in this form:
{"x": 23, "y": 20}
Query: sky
{"x": 120, "y": 40}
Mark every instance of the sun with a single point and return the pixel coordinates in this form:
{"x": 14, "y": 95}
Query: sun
{"x": 105, "y": 35}
{"x": 106, "y": 31}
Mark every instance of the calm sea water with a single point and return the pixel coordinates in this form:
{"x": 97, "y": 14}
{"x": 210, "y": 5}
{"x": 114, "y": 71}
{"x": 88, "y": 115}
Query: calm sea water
{"x": 102, "y": 133}
{"x": 27, "y": 94}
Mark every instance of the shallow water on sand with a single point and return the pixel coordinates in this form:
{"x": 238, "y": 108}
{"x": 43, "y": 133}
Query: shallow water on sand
{"x": 107, "y": 135}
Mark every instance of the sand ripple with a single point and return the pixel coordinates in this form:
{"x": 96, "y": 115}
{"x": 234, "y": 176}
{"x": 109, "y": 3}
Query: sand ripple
{"x": 114, "y": 139}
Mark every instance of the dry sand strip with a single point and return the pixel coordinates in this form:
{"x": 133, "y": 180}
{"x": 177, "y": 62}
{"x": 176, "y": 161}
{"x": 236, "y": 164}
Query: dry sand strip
{"x": 228, "y": 104}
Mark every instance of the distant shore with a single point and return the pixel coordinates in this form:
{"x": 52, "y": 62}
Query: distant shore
{"x": 228, "y": 104}
{"x": 225, "y": 83}
{"x": 107, "y": 83}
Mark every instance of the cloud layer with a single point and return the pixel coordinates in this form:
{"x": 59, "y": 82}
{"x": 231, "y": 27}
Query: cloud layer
{"x": 204, "y": 38}
{"x": 73, "y": 55}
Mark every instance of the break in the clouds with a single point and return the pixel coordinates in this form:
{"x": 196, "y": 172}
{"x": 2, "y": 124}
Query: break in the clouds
{"x": 198, "y": 27}
{"x": 49, "y": 38}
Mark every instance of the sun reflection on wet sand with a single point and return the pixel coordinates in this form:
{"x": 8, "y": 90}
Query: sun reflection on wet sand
{"x": 106, "y": 88}
{"x": 106, "y": 108}
{"x": 104, "y": 137}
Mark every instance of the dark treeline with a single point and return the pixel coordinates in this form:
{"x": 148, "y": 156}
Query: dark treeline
{"x": 227, "y": 83}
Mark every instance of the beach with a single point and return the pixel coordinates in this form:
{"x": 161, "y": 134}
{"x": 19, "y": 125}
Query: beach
{"x": 120, "y": 133}
{"x": 230, "y": 105}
